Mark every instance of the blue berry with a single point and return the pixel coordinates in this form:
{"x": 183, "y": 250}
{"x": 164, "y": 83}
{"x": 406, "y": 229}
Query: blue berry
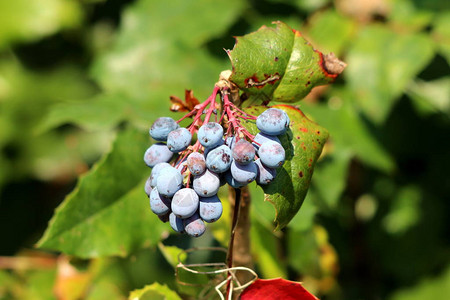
{"x": 219, "y": 159}
{"x": 161, "y": 128}
{"x": 210, "y": 209}
{"x": 265, "y": 175}
{"x": 288, "y": 122}
{"x": 179, "y": 139}
{"x": 157, "y": 153}
{"x": 155, "y": 172}
{"x": 233, "y": 182}
{"x": 176, "y": 223}
{"x": 206, "y": 184}
{"x": 169, "y": 181}
{"x": 272, "y": 121}
{"x": 230, "y": 141}
{"x": 185, "y": 203}
{"x": 196, "y": 163}
{"x": 272, "y": 154}
{"x": 159, "y": 204}
{"x": 207, "y": 150}
{"x": 148, "y": 186}
{"x": 210, "y": 134}
{"x": 243, "y": 152}
{"x": 194, "y": 226}
{"x": 261, "y": 138}
{"x": 243, "y": 173}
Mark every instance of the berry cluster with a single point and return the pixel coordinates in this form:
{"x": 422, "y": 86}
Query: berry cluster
{"x": 185, "y": 192}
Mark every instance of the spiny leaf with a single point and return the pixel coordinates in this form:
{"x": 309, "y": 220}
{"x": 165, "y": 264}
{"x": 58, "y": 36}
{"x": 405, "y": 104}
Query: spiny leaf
{"x": 277, "y": 64}
{"x": 303, "y": 144}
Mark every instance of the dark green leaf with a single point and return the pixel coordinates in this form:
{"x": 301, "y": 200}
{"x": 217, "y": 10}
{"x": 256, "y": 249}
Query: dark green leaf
{"x": 107, "y": 213}
{"x": 277, "y": 64}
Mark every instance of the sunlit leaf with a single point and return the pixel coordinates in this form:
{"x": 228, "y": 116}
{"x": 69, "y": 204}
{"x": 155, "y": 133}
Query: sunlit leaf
{"x": 381, "y": 63}
{"x": 159, "y": 52}
{"x": 431, "y": 96}
{"x": 330, "y": 31}
{"x": 352, "y": 135}
{"x": 107, "y": 213}
{"x": 441, "y": 34}
{"x": 277, "y": 64}
{"x": 429, "y": 288}
{"x": 22, "y": 20}
{"x": 154, "y": 291}
{"x": 265, "y": 247}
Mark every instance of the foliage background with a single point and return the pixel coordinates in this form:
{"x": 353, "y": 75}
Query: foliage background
{"x": 81, "y": 80}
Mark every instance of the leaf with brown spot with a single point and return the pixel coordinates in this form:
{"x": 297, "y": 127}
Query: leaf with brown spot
{"x": 289, "y": 188}
{"x": 279, "y": 64}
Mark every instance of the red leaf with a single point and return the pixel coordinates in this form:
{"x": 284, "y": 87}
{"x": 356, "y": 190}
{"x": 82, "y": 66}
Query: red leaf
{"x": 187, "y": 105}
{"x": 279, "y": 288}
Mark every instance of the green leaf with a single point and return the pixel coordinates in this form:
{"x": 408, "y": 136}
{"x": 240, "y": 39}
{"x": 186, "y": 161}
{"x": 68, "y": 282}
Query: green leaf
{"x": 431, "y": 96}
{"x": 441, "y": 34}
{"x": 405, "y": 211}
{"x": 310, "y": 252}
{"x": 23, "y": 20}
{"x": 381, "y": 64}
{"x": 265, "y": 247}
{"x": 329, "y": 31}
{"x": 303, "y": 144}
{"x": 406, "y": 15}
{"x": 303, "y": 252}
{"x": 331, "y": 177}
{"x": 98, "y": 113}
{"x": 171, "y": 254}
{"x": 107, "y": 213}
{"x": 159, "y": 51}
{"x": 154, "y": 291}
{"x": 304, "y": 219}
{"x": 277, "y": 64}
{"x": 352, "y": 135}
{"x": 429, "y": 288}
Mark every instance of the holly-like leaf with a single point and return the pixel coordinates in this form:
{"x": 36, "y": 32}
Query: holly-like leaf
{"x": 153, "y": 292}
{"x": 107, "y": 213}
{"x": 303, "y": 144}
{"x": 277, "y": 64}
{"x": 278, "y": 288}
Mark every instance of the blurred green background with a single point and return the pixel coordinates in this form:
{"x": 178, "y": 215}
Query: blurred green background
{"x": 77, "y": 75}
